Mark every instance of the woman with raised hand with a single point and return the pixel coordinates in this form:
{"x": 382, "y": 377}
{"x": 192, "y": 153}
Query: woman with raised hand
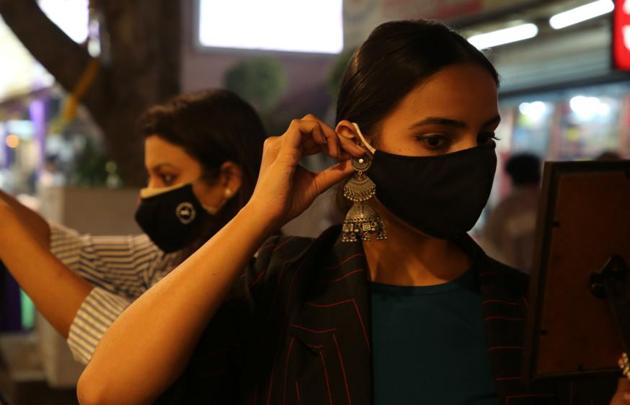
{"x": 397, "y": 306}
{"x": 202, "y": 155}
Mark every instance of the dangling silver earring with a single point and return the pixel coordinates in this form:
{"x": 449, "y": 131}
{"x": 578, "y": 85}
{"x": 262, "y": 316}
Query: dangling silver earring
{"x": 361, "y": 221}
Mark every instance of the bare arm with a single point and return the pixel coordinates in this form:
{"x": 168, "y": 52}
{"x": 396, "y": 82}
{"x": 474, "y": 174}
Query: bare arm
{"x": 155, "y": 339}
{"x": 38, "y": 227}
{"x": 56, "y": 291}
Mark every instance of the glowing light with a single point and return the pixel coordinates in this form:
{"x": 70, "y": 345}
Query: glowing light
{"x": 285, "y": 25}
{"x": 12, "y": 141}
{"x": 626, "y": 37}
{"x": 586, "y": 108}
{"x": 580, "y": 14}
{"x": 535, "y": 110}
{"x": 70, "y": 15}
{"x": 504, "y": 36}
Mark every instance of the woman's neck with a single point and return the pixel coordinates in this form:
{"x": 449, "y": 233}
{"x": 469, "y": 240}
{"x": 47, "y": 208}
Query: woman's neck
{"x": 410, "y": 258}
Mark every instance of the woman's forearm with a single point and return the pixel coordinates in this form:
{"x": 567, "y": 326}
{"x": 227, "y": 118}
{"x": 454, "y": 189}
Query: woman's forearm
{"x": 56, "y": 291}
{"x": 157, "y": 333}
{"x": 37, "y": 225}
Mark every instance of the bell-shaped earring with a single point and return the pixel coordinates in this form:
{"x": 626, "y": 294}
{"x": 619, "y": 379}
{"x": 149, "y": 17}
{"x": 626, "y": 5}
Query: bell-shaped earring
{"x": 361, "y": 222}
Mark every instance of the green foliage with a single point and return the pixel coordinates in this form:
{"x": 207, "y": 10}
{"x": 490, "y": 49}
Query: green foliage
{"x": 261, "y": 81}
{"x": 90, "y": 166}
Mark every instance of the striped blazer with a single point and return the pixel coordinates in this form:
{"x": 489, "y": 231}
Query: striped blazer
{"x": 296, "y": 330}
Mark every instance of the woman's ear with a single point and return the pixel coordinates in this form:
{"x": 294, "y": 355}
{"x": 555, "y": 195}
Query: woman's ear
{"x": 231, "y": 178}
{"x": 351, "y": 130}
{"x": 346, "y": 129}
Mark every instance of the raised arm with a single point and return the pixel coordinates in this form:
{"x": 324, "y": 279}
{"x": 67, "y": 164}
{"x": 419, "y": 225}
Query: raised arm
{"x": 58, "y": 268}
{"x": 56, "y": 291}
{"x": 38, "y": 227}
{"x": 158, "y": 332}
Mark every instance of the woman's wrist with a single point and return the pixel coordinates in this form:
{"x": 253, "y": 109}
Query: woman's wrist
{"x": 259, "y": 219}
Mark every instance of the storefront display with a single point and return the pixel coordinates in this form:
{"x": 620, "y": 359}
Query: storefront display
{"x": 573, "y": 124}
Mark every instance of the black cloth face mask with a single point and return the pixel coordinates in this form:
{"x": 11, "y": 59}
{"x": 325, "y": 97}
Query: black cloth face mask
{"x": 442, "y": 196}
{"x": 172, "y": 217}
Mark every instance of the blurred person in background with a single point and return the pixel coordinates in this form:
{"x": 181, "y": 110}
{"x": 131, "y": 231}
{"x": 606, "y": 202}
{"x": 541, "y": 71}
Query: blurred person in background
{"x": 202, "y": 156}
{"x": 608, "y": 155}
{"x": 397, "y": 306}
{"x": 509, "y": 232}
{"x": 51, "y": 175}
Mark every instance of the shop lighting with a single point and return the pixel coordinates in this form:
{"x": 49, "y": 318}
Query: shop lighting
{"x": 582, "y": 13}
{"x": 535, "y": 110}
{"x": 587, "y": 108}
{"x": 12, "y": 141}
{"x": 504, "y": 36}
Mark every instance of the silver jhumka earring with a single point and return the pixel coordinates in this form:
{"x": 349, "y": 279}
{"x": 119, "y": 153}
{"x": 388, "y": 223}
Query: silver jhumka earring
{"x": 361, "y": 222}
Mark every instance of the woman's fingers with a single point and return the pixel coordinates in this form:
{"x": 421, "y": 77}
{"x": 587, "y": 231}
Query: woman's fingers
{"x": 330, "y": 143}
{"x": 270, "y": 151}
{"x": 310, "y": 136}
{"x": 327, "y": 178}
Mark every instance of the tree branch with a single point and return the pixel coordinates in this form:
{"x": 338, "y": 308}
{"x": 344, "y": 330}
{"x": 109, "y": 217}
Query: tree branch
{"x": 59, "y": 54}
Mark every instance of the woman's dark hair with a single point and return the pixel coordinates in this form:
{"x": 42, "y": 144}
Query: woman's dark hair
{"x": 213, "y": 126}
{"x": 396, "y": 57}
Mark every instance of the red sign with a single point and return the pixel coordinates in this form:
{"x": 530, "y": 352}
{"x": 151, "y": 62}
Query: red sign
{"x": 621, "y": 35}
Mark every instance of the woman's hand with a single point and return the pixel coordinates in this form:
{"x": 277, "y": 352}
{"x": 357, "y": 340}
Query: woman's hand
{"x": 285, "y": 189}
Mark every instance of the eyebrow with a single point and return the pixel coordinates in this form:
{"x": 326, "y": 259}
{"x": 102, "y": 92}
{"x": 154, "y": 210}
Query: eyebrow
{"x": 453, "y": 123}
{"x": 162, "y": 166}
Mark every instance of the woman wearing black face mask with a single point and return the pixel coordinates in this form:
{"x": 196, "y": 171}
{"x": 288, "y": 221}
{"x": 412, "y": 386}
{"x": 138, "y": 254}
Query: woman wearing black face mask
{"x": 397, "y": 306}
{"x": 202, "y": 154}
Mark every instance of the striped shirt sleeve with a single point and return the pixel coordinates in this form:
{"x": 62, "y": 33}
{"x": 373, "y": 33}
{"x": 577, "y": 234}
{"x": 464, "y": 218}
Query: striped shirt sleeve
{"x": 120, "y": 268}
{"x": 122, "y": 265}
{"x": 96, "y": 314}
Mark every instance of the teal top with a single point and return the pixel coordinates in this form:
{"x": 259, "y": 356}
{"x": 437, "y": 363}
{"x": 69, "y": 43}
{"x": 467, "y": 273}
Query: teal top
{"x": 429, "y": 345}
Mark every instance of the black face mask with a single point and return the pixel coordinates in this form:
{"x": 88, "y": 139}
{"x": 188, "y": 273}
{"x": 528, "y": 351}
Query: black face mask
{"x": 442, "y": 196}
{"x": 172, "y": 219}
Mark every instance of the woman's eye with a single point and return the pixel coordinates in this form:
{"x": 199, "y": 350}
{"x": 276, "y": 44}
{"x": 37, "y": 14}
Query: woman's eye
{"x": 435, "y": 141}
{"x": 167, "y": 179}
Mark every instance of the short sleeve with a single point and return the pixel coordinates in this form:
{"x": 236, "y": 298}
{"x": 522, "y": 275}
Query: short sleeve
{"x": 95, "y": 315}
{"x": 119, "y": 264}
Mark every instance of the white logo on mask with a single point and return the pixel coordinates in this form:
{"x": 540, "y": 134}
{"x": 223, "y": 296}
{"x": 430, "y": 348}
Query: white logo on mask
{"x": 185, "y": 213}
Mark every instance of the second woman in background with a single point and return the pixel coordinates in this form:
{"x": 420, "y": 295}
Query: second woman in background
{"x": 202, "y": 155}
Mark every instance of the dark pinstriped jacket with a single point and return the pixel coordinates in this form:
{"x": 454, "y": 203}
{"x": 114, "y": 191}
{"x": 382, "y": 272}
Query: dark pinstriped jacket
{"x": 296, "y": 330}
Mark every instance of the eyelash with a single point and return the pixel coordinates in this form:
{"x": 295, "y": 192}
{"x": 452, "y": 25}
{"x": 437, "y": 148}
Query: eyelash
{"x": 490, "y": 135}
{"x": 425, "y": 139}
{"x": 482, "y": 138}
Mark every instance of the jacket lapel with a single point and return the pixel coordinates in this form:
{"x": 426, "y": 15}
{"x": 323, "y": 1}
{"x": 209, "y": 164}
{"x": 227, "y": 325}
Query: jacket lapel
{"x": 328, "y": 354}
{"x": 330, "y": 331}
{"x": 504, "y": 312}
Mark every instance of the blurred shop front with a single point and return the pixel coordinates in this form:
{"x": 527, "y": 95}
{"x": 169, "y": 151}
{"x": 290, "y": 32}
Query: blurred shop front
{"x": 562, "y": 95}
{"x": 42, "y": 150}
{"x": 38, "y": 145}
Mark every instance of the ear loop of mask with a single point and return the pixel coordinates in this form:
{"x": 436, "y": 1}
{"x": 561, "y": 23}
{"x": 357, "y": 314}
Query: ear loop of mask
{"x": 364, "y": 141}
{"x": 149, "y": 192}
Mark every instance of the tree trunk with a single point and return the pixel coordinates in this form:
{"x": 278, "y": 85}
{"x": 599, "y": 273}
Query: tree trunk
{"x": 142, "y": 68}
